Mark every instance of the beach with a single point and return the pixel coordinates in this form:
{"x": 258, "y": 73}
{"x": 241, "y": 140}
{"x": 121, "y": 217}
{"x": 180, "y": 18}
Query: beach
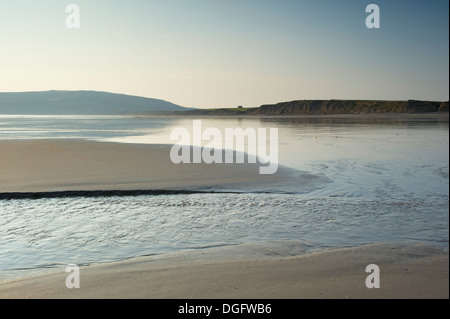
{"x": 406, "y": 271}
{"x": 235, "y": 150}
{"x": 40, "y": 166}
{"x": 77, "y": 165}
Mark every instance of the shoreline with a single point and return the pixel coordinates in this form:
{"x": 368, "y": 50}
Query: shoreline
{"x": 422, "y": 116}
{"x": 407, "y": 270}
{"x": 103, "y": 193}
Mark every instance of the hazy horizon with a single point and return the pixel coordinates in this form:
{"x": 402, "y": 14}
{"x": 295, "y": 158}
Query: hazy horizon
{"x": 210, "y": 54}
{"x": 252, "y": 106}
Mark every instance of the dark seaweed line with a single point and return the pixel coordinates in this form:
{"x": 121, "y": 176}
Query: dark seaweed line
{"x": 107, "y": 193}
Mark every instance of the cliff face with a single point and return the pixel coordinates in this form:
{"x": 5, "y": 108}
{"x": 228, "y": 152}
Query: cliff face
{"x": 443, "y": 107}
{"x": 350, "y": 107}
{"x": 331, "y": 107}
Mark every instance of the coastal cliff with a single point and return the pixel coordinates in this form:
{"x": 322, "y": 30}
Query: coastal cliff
{"x": 352, "y": 107}
{"x": 332, "y": 107}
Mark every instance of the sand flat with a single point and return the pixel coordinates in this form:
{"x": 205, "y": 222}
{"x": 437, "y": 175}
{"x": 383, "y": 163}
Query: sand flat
{"x": 405, "y": 272}
{"x": 65, "y": 165}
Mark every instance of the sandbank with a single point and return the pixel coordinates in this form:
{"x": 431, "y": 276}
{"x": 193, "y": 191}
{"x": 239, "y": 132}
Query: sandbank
{"x": 78, "y": 165}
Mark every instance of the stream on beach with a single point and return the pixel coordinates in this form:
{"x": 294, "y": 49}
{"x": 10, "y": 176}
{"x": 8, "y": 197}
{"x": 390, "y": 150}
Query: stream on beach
{"x": 387, "y": 181}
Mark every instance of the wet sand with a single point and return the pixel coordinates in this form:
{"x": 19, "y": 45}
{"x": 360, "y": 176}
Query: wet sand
{"x": 406, "y": 271}
{"x": 77, "y": 165}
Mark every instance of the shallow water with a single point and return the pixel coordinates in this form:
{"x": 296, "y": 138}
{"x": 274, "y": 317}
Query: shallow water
{"x": 388, "y": 181}
{"x": 46, "y": 232}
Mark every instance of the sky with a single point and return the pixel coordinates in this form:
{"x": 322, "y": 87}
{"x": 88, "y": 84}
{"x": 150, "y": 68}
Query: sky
{"x": 211, "y": 53}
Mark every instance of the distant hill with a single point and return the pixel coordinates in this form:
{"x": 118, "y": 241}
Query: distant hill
{"x": 81, "y": 103}
{"x": 332, "y": 107}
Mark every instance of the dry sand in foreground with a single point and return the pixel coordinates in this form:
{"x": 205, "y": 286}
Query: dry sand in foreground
{"x": 405, "y": 272}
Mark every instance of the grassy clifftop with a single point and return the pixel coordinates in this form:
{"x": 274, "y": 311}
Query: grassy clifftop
{"x": 352, "y": 107}
{"x": 333, "y": 107}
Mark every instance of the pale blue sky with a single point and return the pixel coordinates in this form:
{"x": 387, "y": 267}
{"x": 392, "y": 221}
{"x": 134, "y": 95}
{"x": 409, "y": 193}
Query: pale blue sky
{"x": 207, "y": 53}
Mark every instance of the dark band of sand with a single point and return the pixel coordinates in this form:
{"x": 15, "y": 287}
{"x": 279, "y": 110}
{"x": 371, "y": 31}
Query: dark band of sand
{"x": 406, "y": 271}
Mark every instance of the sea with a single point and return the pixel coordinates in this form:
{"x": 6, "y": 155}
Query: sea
{"x": 388, "y": 181}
